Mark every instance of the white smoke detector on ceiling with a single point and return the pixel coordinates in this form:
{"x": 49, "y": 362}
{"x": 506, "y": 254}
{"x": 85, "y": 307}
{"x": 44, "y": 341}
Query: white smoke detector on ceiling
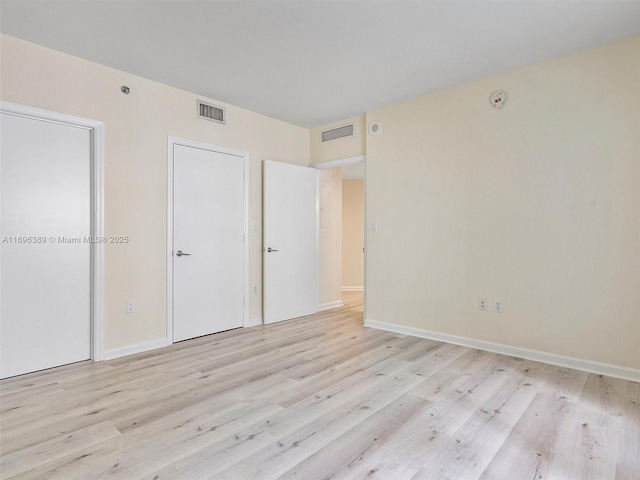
{"x": 498, "y": 98}
{"x": 375, "y": 128}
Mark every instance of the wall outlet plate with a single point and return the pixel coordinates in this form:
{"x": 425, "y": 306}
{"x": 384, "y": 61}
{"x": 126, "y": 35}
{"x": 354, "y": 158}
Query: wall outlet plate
{"x": 482, "y": 304}
{"x": 131, "y": 306}
{"x": 498, "y": 306}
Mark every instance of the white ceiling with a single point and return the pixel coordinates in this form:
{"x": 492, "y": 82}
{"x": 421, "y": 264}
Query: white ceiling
{"x": 313, "y": 62}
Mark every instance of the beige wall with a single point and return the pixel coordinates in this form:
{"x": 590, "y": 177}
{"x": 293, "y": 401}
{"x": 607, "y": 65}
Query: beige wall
{"x": 136, "y": 129}
{"x": 536, "y": 204}
{"x": 341, "y": 148}
{"x": 330, "y": 238}
{"x": 352, "y": 233}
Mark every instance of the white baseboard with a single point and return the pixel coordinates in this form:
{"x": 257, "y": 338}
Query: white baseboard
{"x": 137, "y": 348}
{"x": 610, "y": 370}
{"x": 253, "y": 322}
{"x": 330, "y": 305}
{"x": 353, "y": 289}
{"x": 154, "y": 344}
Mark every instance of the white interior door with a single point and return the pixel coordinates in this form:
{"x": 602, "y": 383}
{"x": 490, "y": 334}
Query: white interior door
{"x": 290, "y": 241}
{"x": 45, "y": 170}
{"x": 208, "y": 242}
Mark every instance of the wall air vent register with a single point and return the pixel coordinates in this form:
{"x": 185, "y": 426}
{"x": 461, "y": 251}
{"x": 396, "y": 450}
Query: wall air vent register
{"x": 211, "y": 112}
{"x": 336, "y": 133}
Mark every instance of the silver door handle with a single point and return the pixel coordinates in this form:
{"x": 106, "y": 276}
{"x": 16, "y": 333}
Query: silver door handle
{"x": 180, "y": 253}
{"x": 269, "y": 250}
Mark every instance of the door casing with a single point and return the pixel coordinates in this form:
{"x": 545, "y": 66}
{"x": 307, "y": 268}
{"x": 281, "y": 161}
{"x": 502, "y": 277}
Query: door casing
{"x": 171, "y": 141}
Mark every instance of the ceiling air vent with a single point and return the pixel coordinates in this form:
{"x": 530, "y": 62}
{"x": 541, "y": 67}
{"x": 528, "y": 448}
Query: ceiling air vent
{"x": 336, "y": 133}
{"x": 211, "y": 112}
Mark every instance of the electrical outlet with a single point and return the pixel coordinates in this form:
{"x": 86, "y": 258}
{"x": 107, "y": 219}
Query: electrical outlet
{"x": 498, "y": 306}
{"x": 131, "y": 306}
{"x": 255, "y": 289}
{"x": 482, "y": 304}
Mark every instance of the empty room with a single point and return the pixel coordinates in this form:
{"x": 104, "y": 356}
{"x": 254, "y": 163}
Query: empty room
{"x": 254, "y": 240}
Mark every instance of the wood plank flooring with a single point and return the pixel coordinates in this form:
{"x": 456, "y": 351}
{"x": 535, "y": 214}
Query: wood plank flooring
{"x": 320, "y": 397}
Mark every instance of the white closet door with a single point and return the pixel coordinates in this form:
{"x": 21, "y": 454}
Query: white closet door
{"x": 208, "y": 242}
{"x": 45, "y": 288}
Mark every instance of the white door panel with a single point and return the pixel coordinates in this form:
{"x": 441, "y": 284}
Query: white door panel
{"x": 45, "y": 285}
{"x": 290, "y": 227}
{"x": 208, "y": 225}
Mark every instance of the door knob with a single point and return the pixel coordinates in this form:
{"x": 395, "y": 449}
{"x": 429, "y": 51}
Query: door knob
{"x": 272, "y": 250}
{"x": 180, "y": 253}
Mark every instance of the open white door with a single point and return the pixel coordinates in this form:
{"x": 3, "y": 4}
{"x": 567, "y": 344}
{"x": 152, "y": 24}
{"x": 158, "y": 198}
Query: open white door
{"x": 290, "y": 241}
{"x": 208, "y": 241}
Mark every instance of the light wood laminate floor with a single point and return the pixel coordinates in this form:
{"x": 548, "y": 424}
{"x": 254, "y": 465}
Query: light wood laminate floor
{"x": 319, "y": 398}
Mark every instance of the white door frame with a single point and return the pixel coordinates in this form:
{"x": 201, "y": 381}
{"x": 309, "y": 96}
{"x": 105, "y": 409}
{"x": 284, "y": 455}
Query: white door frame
{"x": 343, "y": 162}
{"x": 96, "y": 130}
{"x": 171, "y": 142}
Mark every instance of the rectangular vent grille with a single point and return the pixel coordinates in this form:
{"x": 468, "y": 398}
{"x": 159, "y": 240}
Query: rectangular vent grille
{"x": 335, "y": 133}
{"x": 211, "y": 112}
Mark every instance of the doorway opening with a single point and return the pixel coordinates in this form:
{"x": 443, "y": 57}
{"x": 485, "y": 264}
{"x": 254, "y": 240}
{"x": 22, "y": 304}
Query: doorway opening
{"x": 342, "y": 233}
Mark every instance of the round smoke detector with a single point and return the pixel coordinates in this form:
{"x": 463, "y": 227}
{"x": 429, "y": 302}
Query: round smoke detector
{"x": 498, "y": 98}
{"x": 375, "y": 128}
